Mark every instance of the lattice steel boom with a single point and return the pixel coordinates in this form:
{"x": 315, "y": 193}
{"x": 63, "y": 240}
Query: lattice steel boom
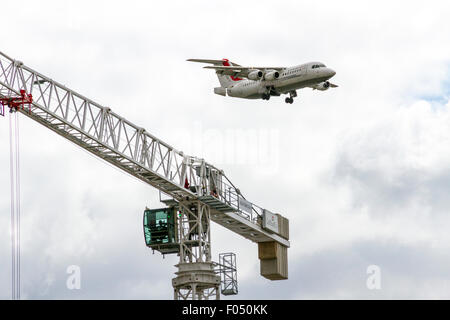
{"x": 129, "y": 147}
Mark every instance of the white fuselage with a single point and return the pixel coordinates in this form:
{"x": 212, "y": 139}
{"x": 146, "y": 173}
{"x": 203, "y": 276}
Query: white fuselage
{"x": 290, "y": 79}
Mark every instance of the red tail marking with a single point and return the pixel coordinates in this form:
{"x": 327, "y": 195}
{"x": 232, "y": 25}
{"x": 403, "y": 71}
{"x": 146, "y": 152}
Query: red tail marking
{"x": 226, "y": 63}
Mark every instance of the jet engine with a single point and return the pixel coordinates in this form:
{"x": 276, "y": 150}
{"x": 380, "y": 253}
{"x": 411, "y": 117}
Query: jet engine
{"x": 255, "y": 75}
{"x": 321, "y": 86}
{"x": 271, "y": 75}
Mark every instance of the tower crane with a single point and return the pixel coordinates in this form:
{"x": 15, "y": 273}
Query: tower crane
{"x": 196, "y": 192}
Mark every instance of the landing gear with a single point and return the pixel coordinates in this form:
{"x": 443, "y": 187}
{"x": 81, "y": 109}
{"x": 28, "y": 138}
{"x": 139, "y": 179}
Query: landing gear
{"x": 265, "y": 96}
{"x": 292, "y": 95}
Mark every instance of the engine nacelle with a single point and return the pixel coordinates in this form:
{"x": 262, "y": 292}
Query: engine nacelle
{"x": 255, "y": 75}
{"x": 321, "y": 86}
{"x": 271, "y": 75}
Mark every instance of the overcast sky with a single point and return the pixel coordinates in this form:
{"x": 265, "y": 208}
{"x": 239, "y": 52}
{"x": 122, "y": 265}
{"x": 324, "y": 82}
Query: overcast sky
{"x": 362, "y": 171}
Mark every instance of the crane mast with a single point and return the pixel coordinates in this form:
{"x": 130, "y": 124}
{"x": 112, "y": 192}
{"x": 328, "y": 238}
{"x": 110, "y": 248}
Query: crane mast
{"x": 198, "y": 191}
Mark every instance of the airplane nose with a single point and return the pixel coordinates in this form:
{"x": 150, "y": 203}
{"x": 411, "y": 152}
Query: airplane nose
{"x": 332, "y": 72}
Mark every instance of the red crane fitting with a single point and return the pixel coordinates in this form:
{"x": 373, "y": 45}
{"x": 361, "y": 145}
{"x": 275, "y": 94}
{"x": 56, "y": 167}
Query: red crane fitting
{"x": 16, "y": 102}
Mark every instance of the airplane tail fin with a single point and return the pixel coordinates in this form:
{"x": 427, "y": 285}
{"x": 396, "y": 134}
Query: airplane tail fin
{"x": 225, "y": 80}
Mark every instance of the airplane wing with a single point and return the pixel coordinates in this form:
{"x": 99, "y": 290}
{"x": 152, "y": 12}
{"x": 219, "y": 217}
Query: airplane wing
{"x": 240, "y": 71}
{"x": 231, "y": 68}
{"x": 216, "y": 62}
{"x": 321, "y": 86}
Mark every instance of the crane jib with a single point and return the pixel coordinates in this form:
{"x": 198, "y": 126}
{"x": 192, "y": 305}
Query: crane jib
{"x": 123, "y": 144}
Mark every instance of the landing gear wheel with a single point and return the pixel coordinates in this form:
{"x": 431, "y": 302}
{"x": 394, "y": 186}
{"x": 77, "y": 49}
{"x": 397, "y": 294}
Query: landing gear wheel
{"x": 265, "y": 96}
{"x": 292, "y": 95}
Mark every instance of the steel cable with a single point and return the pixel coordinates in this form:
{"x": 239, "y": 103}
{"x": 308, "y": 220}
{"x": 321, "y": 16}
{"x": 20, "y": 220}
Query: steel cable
{"x": 15, "y": 204}
{"x": 18, "y": 273}
{"x": 12, "y": 191}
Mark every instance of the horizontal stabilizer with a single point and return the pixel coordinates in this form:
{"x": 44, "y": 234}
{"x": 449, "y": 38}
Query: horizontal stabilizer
{"x": 206, "y": 61}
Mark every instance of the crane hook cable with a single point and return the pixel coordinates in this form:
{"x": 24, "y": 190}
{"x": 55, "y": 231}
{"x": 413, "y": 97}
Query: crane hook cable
{"x": 15, "y": 204}
{"x": 13, "y": 236}
{"x": 18, "y": 204}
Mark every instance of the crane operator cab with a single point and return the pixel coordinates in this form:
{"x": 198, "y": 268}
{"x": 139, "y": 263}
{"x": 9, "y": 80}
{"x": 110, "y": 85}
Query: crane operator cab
{"x": 160, "y": 230}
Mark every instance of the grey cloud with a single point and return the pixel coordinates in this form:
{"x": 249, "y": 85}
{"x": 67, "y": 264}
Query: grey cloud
{"x": 384, "y": 164}
{"x": 416, "y": 271}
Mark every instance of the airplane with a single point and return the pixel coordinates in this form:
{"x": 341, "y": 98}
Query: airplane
{"x": 264, "y": 82}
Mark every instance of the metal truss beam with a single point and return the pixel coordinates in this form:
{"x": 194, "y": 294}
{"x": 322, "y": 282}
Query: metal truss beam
{"x": 131, "y": 148}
